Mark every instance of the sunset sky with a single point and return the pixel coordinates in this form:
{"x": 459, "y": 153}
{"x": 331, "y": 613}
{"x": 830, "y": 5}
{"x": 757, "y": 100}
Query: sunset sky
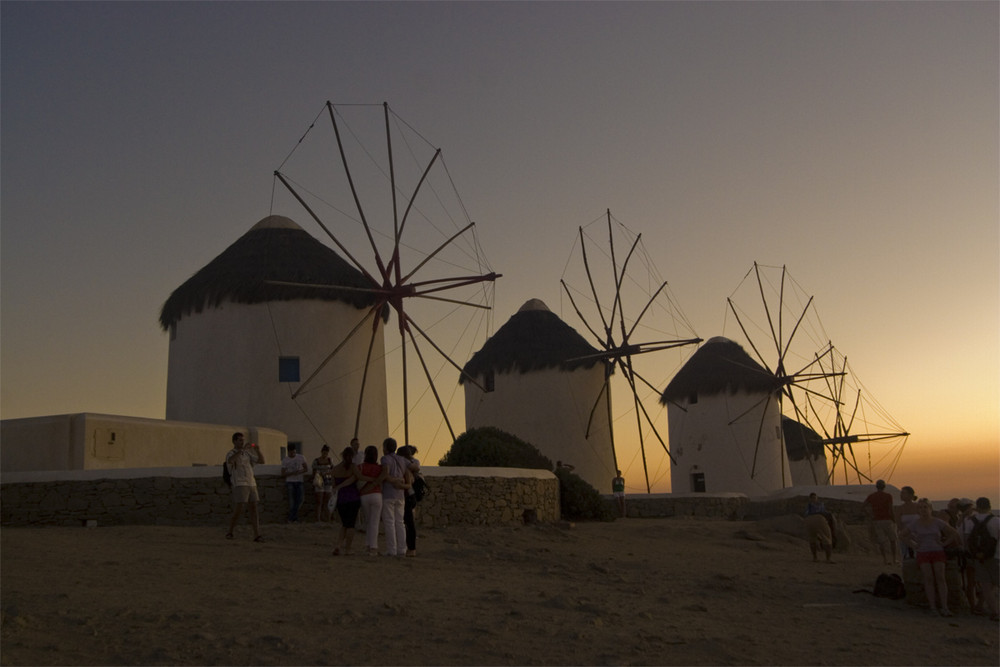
{"x": 858, "y": 144}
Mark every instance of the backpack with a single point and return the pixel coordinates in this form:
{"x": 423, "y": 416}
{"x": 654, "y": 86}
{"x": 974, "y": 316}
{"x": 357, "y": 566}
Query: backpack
{"x": 889, "y": 586}
{"x": 226, "y": 477}
{"x": 980, "y": 544}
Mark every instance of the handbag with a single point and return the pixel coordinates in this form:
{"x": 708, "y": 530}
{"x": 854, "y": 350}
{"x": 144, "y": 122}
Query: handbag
{"x": 420, "y": 488}
{"x": 318, "y": 482}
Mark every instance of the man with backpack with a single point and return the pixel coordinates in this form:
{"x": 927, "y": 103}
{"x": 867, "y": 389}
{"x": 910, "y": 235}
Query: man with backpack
{"x": 981, "y": 533}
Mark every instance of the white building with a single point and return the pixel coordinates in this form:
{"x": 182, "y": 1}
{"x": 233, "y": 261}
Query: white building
{"x": 249, "y": 329}
{"x": 725, "y": 424}
{"x": 538, "y": 389}
{"x": 89, "y": 441}
{"x": 806, "y": 454}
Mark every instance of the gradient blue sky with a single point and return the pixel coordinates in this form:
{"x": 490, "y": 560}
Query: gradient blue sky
{"x": 856, "y": 143}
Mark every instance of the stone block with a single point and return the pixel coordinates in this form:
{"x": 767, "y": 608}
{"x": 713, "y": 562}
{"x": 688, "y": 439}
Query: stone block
{"x": 77, "y": 503}
{"x": 12, "y": 494}
{"x": 143, "y": 499}
{"x": 52, "y": 500}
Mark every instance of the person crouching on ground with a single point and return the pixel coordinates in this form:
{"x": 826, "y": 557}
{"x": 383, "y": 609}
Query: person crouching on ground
{"x": 241, "y": 459}
{"x": 819, "y": 533}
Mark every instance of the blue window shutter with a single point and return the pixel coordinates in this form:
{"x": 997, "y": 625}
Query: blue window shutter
{"x": 288, "y": 369}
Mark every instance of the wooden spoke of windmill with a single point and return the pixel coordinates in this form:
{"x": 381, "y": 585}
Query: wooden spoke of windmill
{"x": 812, "y": 393}
{"x": 619, "y": 350}
{"x": 844, "y": 435}
{"x": 832, "y": 378}
{"x": 392, "y": 287}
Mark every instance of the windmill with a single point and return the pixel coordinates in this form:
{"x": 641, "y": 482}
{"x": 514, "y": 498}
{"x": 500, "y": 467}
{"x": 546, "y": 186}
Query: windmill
{"x": 817, "y": 388}
{"x": 383, "y": 196}
{"x": 621, "y": 299}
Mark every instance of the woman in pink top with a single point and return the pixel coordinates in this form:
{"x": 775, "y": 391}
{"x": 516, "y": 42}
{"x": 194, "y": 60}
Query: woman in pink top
{"x": 370, "y": 476}
{"x": 929, "y": 536}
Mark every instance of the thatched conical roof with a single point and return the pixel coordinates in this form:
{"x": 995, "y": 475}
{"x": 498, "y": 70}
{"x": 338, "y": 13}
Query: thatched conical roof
{"x": 801, "y": 441}
{"x": 275, "y": 249}
{"x": 534, "y": 338}
{"x": 719, "y": 366}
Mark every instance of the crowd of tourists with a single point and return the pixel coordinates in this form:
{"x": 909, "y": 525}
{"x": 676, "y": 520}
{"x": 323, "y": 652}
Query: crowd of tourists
{"x": 965, "y": 533}
{"x": 367, "y": 491}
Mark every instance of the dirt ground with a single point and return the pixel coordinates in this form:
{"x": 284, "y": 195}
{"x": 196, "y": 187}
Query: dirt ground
{"x": 635, "y": 591}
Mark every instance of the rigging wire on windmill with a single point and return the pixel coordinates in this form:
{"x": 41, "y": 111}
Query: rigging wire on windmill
{"x": 415, "y": 197}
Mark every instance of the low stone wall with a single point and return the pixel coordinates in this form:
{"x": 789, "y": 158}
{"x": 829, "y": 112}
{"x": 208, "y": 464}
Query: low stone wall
{"x": 734, "y": 507}
{"x": 847, "y": 511}
{"x": 458, "y": 496}
{"x": 198, "y": 496}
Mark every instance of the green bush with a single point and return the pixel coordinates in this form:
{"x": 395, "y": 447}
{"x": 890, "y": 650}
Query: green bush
{"x": 579, "y": 501}
{"x": 489, "y": 447}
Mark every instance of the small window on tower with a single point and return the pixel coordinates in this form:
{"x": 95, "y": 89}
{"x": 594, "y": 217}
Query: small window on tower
{"x": 693, "y": 398}
{"x": 489, "y": 381}
{"x": 288, "y": 369}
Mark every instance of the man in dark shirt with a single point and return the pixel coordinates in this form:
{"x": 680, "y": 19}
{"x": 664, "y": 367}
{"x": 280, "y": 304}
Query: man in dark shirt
{"x": 878, "y": 507}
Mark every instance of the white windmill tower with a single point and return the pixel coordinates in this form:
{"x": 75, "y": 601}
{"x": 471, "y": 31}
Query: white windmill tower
{"x": 725, "y": 423}
{"x": 536, "y": 378}
{"x": 242, "y": 336}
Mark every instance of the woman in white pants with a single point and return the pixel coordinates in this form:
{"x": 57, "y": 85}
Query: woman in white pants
{"x": 397, "y": 481}
{"x": 371, "y": 475}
